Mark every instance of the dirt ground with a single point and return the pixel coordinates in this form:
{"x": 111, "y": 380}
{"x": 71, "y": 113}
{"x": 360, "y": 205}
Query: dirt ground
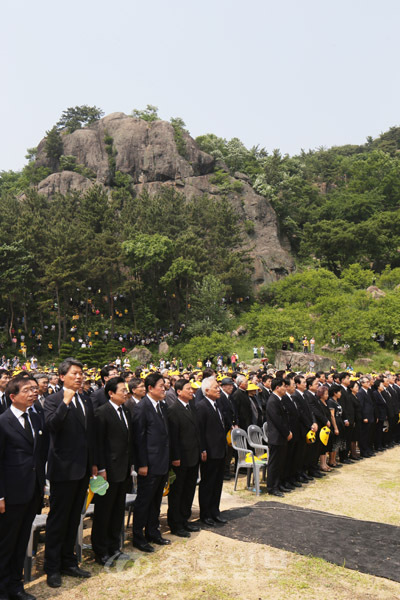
{"x": 209, "y": 566}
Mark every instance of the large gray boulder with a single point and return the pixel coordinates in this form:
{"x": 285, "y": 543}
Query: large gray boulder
{"x": 141, "y": 355}
{"x": 300, "y": 361}
{"x": 163, "y": 348}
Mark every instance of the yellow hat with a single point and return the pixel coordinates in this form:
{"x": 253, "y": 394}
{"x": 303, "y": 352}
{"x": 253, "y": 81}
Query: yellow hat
{"x": 252, "y": 387}
{"x": 324, "y": 435}
{"x": 310, "y": 437}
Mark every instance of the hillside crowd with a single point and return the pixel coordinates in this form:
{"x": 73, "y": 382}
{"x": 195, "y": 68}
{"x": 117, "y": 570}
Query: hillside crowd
{"x": 167, "y": 431}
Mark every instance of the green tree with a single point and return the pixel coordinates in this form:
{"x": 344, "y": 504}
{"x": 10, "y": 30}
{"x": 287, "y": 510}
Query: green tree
{"x": 74, "y": 118}
{"x": 53, "y": 147}
{"x": 149, "y": 114}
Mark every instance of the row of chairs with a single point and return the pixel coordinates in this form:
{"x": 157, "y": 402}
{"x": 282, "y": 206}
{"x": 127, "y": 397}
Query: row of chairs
{"x": 252, "y": 452}
{"x": 39, "y": 524}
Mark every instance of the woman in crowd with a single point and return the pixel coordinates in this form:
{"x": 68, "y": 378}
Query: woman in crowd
{"x": 338, "y": 441}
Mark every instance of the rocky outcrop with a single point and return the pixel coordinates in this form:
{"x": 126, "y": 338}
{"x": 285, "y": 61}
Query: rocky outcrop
{"x": 163, "y": 348}
{"x": 300, "y": 361}
{"x": 141, "y": 355}
{"x": 64, "y": 182}
{"x": 375, "y": 292}
{"x": 149, "y": 154}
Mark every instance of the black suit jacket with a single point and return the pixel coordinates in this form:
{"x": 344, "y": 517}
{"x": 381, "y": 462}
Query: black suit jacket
{"x": 277, "y": 421}
{"x": 320, "y": 411}
{"x": 306, "y": 415}
{"x": 367, "y": 405}
{"x": 184, "y": 435}
{"x": 21, "y": 462}
{"x": 243, "y": 408}
{"x": 212, "y": 430}
{"x": 114, "y": 443}
{"x": 2, "y": 408}
{"x": 293, "y": 415}
{"x": 98, "y": 398}
{"x": 380, "y": 406}
{"x": 151, "y": 438}
{"x": 72, "y": 442}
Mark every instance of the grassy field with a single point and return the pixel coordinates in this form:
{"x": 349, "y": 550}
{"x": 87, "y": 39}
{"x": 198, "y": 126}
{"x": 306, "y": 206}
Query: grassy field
{"x": 208, "y": 566}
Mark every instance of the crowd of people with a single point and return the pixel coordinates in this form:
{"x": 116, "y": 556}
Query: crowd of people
{"x": 171, "y": 429}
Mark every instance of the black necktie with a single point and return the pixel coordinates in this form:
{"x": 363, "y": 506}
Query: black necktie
{"x": 3, "y": 400}
{"x": 121, "y": 415}
{"x": 188, "y": 408}
{"x": 80, "y": 409}
{"x": 28, "y": 427}
{"x": 159, "y": 410}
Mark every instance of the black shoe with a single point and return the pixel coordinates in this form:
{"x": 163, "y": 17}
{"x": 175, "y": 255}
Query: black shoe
{"x": 192, "y": 527}
{"x": 275, "y": 493}
{"x": 119, "y": 555}
{"x": 143, "y": 546}
{"x": 318, "y": 475}
{"x": 54, "y": 580}
{"x": 347, "y": 461}
{"x": 103, "y": 560}
{"x": 302, "y": 479}
{"x": 180, "y": 533}
{"x": 227, "y": 477}
{"x": 21, "y": 595}
{"x": 208, "y": 521}
{"x": 76, "y": 572}
{"x": 288, "y": 485}
{"x": 308, "y": 476}
{"x": 160, "y": 541}
{"x": 220, "y": 520}
{"x": 296, "y": 484}
{"x": 282, "y": 488}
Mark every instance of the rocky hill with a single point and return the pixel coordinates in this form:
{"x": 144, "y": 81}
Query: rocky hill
{"x": 148, "y": 152}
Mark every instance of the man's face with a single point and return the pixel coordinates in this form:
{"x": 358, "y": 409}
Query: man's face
{"x": 140, "y": 391}
{"x": 290, "y": 388}
{"x": 213, "y": 391}
{"x": 244, "y": 384}
{"x": 346, "y": 381}
{"x": 43, "y": 385}
{"x": 158, "y": 391}
{"x": 268, "y": 384}
{"x": 26, "y": 395}
{"x": 4, "y": 379}
{"x": 73, "y": 378}
{"x": 322, "y": 378}
{"x": 167, "y": 383}
{"x": 186, "y": 393}
{"x": 129, "y": 377}
{"x": 280, "y": 390}
{"x": 329, "y": 379}
{"x": 302, "y": 386}
{"x": 314, "y": 386}
{"x": 386, "y": 382}
{"x": 365, "y": 383}
{"x": 228, "y": 389}
{"x": 112, "y": 373}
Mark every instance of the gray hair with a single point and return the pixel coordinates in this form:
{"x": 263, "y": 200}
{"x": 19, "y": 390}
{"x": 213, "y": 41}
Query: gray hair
{"x": 240, "y": 379}
{"x": 206, "y": 384}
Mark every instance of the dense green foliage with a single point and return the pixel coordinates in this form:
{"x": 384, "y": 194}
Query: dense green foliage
{"x": 318, "y": 303}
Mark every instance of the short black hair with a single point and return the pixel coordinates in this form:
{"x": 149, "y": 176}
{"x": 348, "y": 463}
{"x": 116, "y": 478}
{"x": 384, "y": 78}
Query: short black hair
{"x": 298, "y": 379}
{"x": 180, "y": 384}
{"x": 310, "y": 381}
{"x": 151, "y": 380}
{"x": 112, "y": 384}
{"x": 343, "y": 376}
{"x": 67, "y": 363}
{"x": 134, "y": 383}
{"x": 265, "y": 377}
{"x": 105, "y": 371}
{"x": 334, "y": 389}
{"x": 15, "y": 384}
{"x": 276, "y": 383}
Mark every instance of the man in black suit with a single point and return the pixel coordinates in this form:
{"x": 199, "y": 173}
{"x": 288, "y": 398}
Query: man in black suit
{"x": 185, "y": 458}
{"x": 99, "y": 396}
{"x": 229, "y": 414}
{"x": 293, "y": 455}
{"x": 22, "y": 460}
{"x": 367, "y": 409}
{"x": 71, "y": 461}
{"x": 151, "y": 458}
{"x": 317, "y": 409}
{"x": 244, "y": 406}
{"x": 307, "y": 422}
{"x": 4, "y": 379}
{"x": 213, "y": 446}
{"x": 137, "y": 390}
{"x": 114, "y": 461}
{"x": 349, "y": 416}
{"x": 279, "y": 435}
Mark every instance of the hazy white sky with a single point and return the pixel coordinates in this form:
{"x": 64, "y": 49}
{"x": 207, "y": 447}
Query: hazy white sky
{"x": 286, "y": 74}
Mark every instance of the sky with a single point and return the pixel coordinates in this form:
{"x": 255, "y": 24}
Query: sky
{"x": 287, "y": 74}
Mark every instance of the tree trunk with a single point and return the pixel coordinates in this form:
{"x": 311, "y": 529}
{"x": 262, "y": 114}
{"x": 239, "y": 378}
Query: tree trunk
{"x": 112, "y": 313}
{"x": 11, "y": 319}
{"x": 58, "y": 318}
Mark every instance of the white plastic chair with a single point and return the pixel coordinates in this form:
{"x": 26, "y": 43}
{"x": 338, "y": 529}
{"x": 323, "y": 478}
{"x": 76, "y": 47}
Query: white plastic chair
{"x": 265, "y": 432}
{"x": 256, "y": 439}
{"x": 240, "y": 444}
